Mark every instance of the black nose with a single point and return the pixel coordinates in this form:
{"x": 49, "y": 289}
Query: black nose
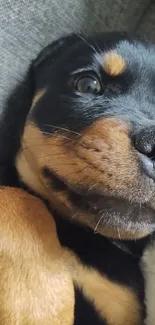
{"x": 144, "y": 142}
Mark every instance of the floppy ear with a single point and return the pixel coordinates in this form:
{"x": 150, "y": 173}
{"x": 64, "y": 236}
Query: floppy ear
{"x": 53, "y": 51}
{"x": 16, "y": 109}
{"x": 12, "y": 121}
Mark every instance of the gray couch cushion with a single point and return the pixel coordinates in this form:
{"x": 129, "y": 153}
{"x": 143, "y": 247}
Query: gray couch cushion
{"x": 146, "y": 26}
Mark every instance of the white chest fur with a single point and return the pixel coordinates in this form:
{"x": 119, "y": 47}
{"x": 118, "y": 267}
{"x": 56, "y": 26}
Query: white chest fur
{"x": 148, "y": 268}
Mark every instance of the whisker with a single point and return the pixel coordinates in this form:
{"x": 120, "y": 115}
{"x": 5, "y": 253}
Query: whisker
{"x": 95, "y": 229}
{"x": 91, "y": 187}
{"x": 99, "y": 49}
{"x": 89, "y": 44}
{"x": 61, "y": 136}
{"x": 64, "y": 137}
{"x": 119, "y": 235}
{"x": 74, "y": 215}
{"x": 46, "y": 133}
{"x": 63, "y": 129}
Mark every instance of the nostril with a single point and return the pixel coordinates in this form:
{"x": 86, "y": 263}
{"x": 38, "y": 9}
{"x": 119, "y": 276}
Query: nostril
{"x": 151, "y": 154}
{"x": 145, "y": 148}
{"x": 144, "y": 142}
{"x": 148, "y": 166}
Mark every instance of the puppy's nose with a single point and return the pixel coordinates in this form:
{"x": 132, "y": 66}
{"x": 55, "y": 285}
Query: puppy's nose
{"x": 144, "y": 142}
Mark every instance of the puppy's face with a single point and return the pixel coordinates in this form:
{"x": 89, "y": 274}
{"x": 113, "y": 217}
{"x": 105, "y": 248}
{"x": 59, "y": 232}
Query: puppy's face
{"x": 89, "y": 140}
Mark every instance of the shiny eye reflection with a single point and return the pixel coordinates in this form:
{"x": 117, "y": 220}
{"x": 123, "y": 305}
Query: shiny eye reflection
{"x": 88, "y": 85}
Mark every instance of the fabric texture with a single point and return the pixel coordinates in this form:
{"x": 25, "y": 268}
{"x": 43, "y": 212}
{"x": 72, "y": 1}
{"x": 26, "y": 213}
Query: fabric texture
{"x": 26, "y": 26}
{"x": 146, "y": 26}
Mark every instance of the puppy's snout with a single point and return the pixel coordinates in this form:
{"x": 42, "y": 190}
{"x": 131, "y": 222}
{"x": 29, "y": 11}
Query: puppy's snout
{"x": 144, "y": 142}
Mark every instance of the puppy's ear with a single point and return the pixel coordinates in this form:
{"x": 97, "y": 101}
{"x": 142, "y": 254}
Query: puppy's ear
{"x": 53, "y": 51}
{"x": 12, "y": 121}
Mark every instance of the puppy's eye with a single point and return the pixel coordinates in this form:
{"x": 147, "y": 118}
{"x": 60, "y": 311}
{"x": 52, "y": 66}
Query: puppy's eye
{"x": 88, "y": 84}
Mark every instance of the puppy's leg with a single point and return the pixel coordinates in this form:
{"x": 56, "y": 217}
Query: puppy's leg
{"x": 148, "y": 268}
{"x": 35, "y": 287}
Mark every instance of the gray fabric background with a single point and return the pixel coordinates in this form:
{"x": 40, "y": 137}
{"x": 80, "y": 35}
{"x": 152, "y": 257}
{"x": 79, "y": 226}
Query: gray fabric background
{"x": 26, "y": 26}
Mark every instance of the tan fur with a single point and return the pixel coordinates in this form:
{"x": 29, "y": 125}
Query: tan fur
{"x": 101, "y": 155}
{"x": 40, "y": 93}
{"x": 30, "y": 174}
{"x": 35, "y": 285}
{"x": 83, "y": 161}
{"x": 115, "y": 303}
{"x": 113, "y": 63}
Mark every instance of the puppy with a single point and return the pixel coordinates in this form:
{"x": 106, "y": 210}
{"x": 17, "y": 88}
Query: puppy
{"x": 87, "y": 147}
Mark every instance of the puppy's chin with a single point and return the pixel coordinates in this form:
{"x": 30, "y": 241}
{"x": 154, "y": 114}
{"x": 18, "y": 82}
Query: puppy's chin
{"x": 113, "y": 217}
{"x": 107, "y": 216}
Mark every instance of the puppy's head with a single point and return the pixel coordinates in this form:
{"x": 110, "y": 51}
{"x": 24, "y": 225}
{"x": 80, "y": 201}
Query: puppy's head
{"x": 89, "y": 140}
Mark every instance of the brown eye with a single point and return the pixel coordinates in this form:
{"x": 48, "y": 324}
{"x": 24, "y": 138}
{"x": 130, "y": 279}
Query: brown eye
{"x": 88, "y": 85}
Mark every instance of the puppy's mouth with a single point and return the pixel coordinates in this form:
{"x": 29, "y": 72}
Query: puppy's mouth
{"x": 94, "y": 179}
{"x": 108, "y": 215}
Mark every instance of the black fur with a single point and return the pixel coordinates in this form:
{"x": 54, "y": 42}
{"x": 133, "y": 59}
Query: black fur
{"x": 85, "y": 312}
{"x": 130, "y": 95}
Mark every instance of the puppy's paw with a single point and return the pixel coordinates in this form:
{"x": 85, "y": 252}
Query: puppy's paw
{"x": 35, "y": 284}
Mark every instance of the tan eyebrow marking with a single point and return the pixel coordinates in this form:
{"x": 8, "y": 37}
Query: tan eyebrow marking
{"x": 113, "y": 63}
